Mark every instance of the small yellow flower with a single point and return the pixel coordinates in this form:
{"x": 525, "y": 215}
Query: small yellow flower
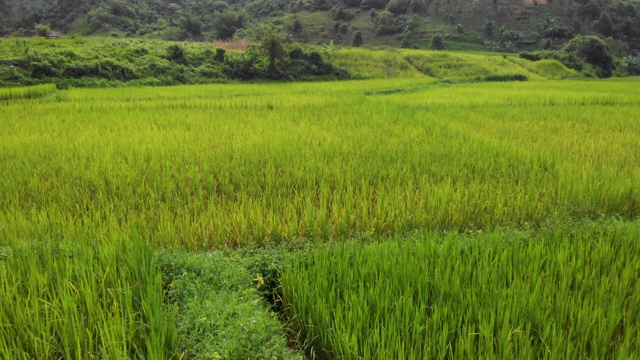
{"x": 260, "y": 281}
{"x": 216, "y": 356}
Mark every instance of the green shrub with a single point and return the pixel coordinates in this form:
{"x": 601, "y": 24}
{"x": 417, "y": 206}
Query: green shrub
{"x": 591, "y": 50}
{"x": 42, "y": 30}
{"x": 513, "y": 77}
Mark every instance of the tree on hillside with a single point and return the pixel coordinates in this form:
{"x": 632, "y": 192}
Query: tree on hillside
{"x": 592, "y": 50}
{"x": 357, "y": 39}
{"x": 436, "y": 43}
{"x": 488, "y": 26}
{"x": 271, "y": 40}
{"x": 226, "y": 24}
{"x": 42, "y": 30}
{"x": 603, "y": 25}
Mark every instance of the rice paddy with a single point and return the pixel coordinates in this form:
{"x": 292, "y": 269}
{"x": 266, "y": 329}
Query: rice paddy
{"x": 489, "y": 220}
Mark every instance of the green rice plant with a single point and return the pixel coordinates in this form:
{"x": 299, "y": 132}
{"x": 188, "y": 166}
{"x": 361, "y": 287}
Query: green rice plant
{"x": 567, "y": 292}
{"x": 464, "y": 66}
{"x": 547, "y": 68}
{"x": 363, "y": 63}
{"x": 212, "y": 166}
{"x": 30, "y": 92}
{"x": 77, "y": 300}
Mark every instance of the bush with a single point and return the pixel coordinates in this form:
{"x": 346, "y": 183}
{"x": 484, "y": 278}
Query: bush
{"x": 20, "y": 32}
{"x": 436, "y": 43}
{"x": 42, "y": 30}
{"x": 176, "y": 53}
{"x": 632, "y": 64}
{"x": 339, "y": 13}
{"x": 529, "y": 56}
{"x": 357, "y": 39}
{"x": 501, "y": 78}
{"x": 220, "y": 53}
{"x": 592, "y": 50}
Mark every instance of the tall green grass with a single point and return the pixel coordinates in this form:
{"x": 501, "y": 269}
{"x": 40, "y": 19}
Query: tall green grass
{"x": 29, "y": 92}
{"x": 75, "y": 300}
{"x": 566, "y": 293}
{"x": 213, "y": 166}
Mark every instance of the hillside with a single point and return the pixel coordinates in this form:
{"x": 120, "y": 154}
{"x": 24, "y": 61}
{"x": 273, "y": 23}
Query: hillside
{"x": 499, "y": 25}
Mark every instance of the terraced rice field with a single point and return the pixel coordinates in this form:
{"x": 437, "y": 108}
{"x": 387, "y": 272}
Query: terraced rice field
{"x": 489, "y": 220}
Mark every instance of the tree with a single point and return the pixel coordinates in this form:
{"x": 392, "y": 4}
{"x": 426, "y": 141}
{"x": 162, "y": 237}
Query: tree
{"x": 176, "y": 53}
{"x": 42, "y": 30}
{"x": 592, "y": 50}
{"x": 488, "y": 26}
{"x": 226, "y": 24}
{"x": 220, "y": 54}
{"x": 603, "y": 25}
{"x": 357, "y": 39}
{"x": 271, "y": 40}
{"x": 297, "y": 27}
{"x": 436, "y": 43}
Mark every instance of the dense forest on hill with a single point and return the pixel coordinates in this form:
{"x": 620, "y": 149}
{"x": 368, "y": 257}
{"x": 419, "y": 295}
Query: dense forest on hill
{"x": 503, "y": 25}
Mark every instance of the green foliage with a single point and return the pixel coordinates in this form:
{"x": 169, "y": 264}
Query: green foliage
{"x": 222, "y": 19}
{"x": 593, "y": 51}
{"x": 436, "y": 43}
{"x": 357, "y": 39}
{"x": 103, "y": 62}
{"x": 489, "y": 26}
{"x": 220, "y": 311}
{"x": 558, "y": 294}
{"x": 42, "y": 30}
{"x": 226, "y": 24}
{"x": 339, "y": 13}
{"x": 632, "y": 64}
{"x": 387, "y": 24}
{"x": 512, "y": 77}
{"x": 220, "y": 55}
{"x": 176, "y": 53}
{"x": 272, "y": 42}
{"x": 20, "y": 32}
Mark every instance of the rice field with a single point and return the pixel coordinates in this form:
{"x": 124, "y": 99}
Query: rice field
{"x": 27, "y": 92}
{"x": 570, "y": 293}
{"x": 206, "y": 167}
{"x": 488, "y": 220}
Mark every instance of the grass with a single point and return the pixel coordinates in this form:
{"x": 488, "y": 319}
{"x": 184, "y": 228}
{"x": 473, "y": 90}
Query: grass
{"x": 565, "y": 293}
{"x": 221, "y": 314}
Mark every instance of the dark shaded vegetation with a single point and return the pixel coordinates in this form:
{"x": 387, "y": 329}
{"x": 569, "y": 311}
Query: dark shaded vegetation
{"x": 587, "y": 54}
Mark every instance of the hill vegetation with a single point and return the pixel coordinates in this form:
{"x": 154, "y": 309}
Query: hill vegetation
{"x": 506, "y": 25}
